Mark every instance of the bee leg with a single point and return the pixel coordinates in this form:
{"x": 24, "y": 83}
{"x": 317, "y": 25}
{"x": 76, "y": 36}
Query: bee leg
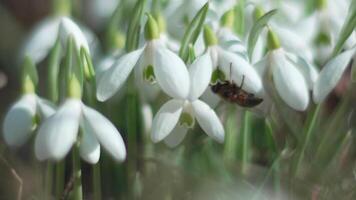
{"x": 242, "y": 82}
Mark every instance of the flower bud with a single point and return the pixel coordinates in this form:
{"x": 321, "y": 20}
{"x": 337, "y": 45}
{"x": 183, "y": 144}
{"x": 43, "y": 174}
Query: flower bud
{"x": 258, "y": 13}
{"x": 210, "y": 38}
{"x": 273, "y": 40}
{"x": 151, "y": 28}
{"x": 74, "y": 89}
{"x": 227, "y": 20}
{"x": 161, "y": 22}
{"x": 321, "y": 4}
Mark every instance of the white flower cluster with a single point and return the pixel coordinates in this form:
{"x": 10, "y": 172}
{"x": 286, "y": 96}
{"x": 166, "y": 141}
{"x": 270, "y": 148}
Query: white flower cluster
{"x": 289, "y": 58}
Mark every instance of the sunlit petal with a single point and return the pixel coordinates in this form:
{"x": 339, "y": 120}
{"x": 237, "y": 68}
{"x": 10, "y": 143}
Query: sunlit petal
{"x": 58, "y": 133}
{"x": 111, "y": 80}
{"x": 208, "y": 120}
{"x": 166, "y": 119}
{"x": 105, "y": 132}
{"x": 18, "y": 122}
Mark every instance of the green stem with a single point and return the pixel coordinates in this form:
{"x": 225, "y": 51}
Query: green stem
{"x": 307, "y": 136}
{"x": 231, "y": 141}
{"x": 77, "y": 188}
{"x": 96, "y": 181}
{"x": 245, "y": 148}
{"x": 49, "y": 179}
{"x": 60, "y": 169}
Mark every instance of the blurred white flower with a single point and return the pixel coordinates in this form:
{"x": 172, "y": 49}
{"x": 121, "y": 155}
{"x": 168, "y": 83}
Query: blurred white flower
{"x": 44, "y": 35}
{"x": 288, "y": 79}
{"x": 177, "y": 115}
{"x": 157, "y": 63}
{"x": 20, "y": 120}
{"x": 60, "y": 132}
{"x": 331, "y": 74}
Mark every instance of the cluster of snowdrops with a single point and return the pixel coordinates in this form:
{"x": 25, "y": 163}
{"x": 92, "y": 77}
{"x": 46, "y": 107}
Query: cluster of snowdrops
{"x": 284, "y": 56}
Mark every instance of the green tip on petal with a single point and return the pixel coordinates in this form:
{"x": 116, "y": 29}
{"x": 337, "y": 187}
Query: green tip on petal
{"x": 272, "y": 40}
{"x": 210, "y": 38}
{"x": 149, "y": 74}
{"x": 74, "y": 88}
{"x": 322, "y": 39}
{"x": 258, "y": 13}
{"x": 217, "y": 76}
{"x": 227, "y": 20}
{"x": 187, "y": 120}
{"x": 151, "y": 28}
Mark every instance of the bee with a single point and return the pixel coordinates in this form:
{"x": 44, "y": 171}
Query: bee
{"x": 229, "y": 91}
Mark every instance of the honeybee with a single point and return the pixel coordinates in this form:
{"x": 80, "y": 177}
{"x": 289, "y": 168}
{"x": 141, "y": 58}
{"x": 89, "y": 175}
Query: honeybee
{"x": 229, "y": 91}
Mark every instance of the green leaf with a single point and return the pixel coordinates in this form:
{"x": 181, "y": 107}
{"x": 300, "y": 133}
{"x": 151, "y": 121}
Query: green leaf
{"x": 257, "y": 29}
{"x": 53, "y": 71}
{"x": 239, "y": 23}
{"x": 347, "y": 29}
{"x": 133, "y": 32}
{"x": 193, "y": 31}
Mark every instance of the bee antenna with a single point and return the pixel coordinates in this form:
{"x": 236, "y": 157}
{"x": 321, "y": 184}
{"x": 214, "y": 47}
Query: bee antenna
{"x": 242, "y": 82}
{"x": 230, "y": 72}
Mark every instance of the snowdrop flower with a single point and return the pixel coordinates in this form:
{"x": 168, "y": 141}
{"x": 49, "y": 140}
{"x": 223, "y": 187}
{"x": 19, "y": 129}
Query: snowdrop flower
{"x": 60, "y": 132}
{"x": 44, "y": 36}
{"x": 21, "y": 119}
{"x": 176, "y": 116}
{"x": 326, "y": 24}
{"x": 157, "y": 64}
{"x": 227, "y": 38}
{"x": 287, "y": 75}
{"x": 331, "y": 74}
{"x": 228, "y": 64}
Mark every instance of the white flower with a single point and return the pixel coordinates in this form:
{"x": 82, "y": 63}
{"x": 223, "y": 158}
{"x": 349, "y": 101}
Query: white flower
{"x": 60, "y": 132}
{"x": 331, "y": 74}
{"x": 177, "y": 115}
{"x": 19, "y": 121}
{"x": 288, "y": 79}
{"x": 44, "y": 35}
{"x": 231, "y": 42}
{"x": 235, "y": 67}
{"x": 66, "y": 28}
{"x": 158, "y": 64}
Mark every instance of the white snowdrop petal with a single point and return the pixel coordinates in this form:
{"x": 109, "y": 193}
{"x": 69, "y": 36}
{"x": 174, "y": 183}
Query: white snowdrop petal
{"x": 240, "y": 68}
{"x": 58, "y": 133}
{"x": 68, "y": 27}
{"x": 111, "y": 80}
{"x": 41, "y": 39}
{"x": 89, "y": 148}
{"x": 330, "y": 75}
{"x": 176, "y": 136}
{"x": 45, "y": 107}
{"x": 308, "y": 70}
{"x": 166, "y": 119}
{"x": 293, "y": 42}
{"x": 289, "y": 81}
{"x": 106, "y": 133}
{"x": 208, "y": 120}
{"x": 171, "y": 73}
{"x": 18, "y": 122}
{"x": 211, "y": 98}
{"x": 200, "y": 75}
